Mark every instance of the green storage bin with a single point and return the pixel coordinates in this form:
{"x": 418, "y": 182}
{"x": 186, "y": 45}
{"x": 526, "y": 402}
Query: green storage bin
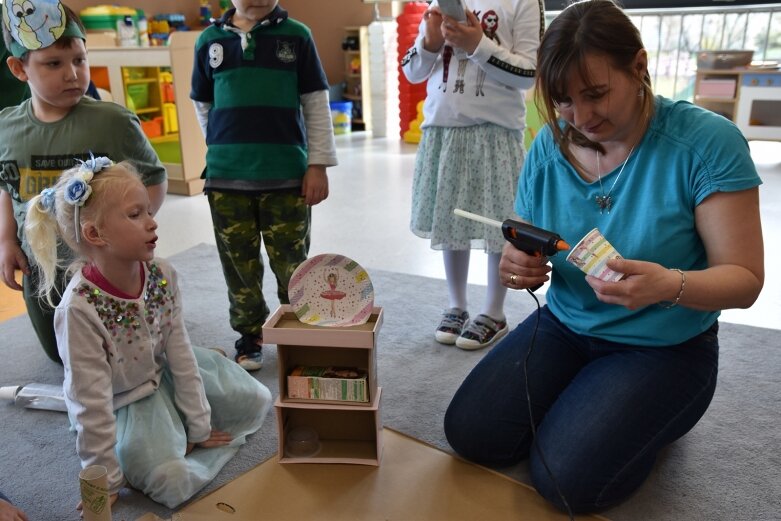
{"x": 168, "y": 151}
{"x": 139, "y": 95}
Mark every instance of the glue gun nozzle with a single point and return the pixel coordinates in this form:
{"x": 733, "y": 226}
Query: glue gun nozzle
{"x": 561, "y": 245}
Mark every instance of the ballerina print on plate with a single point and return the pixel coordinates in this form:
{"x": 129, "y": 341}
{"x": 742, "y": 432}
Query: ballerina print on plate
{"x": 331, "y": 290}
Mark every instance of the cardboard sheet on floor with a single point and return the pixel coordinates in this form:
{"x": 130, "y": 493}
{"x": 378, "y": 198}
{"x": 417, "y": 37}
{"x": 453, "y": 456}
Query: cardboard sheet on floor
{"x": 414, "y": 481}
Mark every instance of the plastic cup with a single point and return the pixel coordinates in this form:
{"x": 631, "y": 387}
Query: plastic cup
{"x": 302, "y": 442}
{"x": 95, "y": 503}
{"x": 591, "y": 255}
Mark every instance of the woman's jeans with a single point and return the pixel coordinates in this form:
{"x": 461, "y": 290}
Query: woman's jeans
{"x": 602, "y": 410}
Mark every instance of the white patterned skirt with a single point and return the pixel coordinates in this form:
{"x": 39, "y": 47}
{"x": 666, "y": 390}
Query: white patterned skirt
{"x": 473, "y": 168}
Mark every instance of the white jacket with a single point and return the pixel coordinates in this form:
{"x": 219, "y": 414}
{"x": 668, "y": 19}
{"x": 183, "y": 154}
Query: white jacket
{"x": 114, "y": 351}
{"x": 487, "y": 86}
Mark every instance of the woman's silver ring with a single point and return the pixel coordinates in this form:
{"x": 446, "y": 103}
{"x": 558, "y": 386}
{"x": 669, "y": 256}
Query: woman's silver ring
{"x": 512, "y": 279}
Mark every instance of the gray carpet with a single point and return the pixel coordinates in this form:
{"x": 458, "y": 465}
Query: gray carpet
{"x": 727, "y": 468}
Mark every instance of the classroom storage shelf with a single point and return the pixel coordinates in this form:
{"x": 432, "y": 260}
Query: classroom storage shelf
{"x": 158, "y": 78}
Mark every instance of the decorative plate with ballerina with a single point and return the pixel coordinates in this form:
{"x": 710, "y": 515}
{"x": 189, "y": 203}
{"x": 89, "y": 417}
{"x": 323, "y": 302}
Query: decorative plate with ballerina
{"x": 331, "y": 290}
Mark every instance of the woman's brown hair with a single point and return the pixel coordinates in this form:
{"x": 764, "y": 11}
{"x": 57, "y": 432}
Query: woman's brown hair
{"x": 584, "y": 28}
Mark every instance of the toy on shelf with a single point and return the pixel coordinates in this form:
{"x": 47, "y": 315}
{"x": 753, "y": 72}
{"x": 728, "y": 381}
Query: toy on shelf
{"x": 121, "y": 23}
{"x": 205, "y": 13}
{"x": 167, "y": 86}
{"x": 170, "y": 123}
{"x": 413, "y": 134}
{"x": 105, "y": 17}
{"x": 341, "y": 116}
{"x": 351, "y": 42}
{"x": 162, "y": 25}
{"x": 355, "y": 65}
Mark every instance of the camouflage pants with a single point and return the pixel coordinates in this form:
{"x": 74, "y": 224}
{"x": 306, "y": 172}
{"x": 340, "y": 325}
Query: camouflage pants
{"x": 283, "y": 221}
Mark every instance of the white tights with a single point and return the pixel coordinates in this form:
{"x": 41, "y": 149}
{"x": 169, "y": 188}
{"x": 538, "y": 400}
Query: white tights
{"x": 457, "y": 270}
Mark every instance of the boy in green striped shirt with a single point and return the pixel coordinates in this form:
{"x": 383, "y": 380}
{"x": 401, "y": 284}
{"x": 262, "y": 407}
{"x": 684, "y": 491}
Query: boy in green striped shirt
{"x": 262, "y": 101}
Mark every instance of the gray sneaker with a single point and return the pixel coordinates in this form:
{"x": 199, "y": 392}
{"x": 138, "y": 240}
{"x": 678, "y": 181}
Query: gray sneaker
{"x": 450, "y": 327}
{"x": 481, "y": 332}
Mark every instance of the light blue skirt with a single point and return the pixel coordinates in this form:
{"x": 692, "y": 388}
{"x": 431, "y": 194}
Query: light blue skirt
{"x": 473, "y": 168}
{"x": 151, "y": 439}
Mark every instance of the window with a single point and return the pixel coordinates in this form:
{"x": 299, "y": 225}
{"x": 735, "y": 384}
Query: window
{"x": 557, "y": 5}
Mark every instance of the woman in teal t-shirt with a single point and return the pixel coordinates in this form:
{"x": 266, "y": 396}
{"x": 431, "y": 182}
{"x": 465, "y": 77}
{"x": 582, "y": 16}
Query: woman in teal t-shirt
{"x": 613, "y": 371}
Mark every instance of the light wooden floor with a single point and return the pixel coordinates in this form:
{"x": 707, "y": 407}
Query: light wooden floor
{"x": 11, "y": 302}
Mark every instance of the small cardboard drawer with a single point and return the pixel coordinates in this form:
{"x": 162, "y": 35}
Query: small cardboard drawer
{"x": 284, "y": 328}
{"x": 351, "y": 435}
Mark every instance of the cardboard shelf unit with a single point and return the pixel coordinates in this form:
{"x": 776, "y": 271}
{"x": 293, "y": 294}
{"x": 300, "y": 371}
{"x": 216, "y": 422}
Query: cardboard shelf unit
{"x": 349, "y": 431}
{"x": 187, "y": 141}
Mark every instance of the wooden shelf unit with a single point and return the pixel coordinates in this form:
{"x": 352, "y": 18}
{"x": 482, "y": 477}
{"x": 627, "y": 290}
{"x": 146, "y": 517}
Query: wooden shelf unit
{"x": 720, "y": 104}
{"x": 155, "y": 114}
{"x": 750, "y": 97}
{"x": 357, "y": 85}
{"x": 185, "y": 177}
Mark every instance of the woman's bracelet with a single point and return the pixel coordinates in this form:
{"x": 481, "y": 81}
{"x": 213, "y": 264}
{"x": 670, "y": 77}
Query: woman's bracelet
{"x": 680, "y": 292}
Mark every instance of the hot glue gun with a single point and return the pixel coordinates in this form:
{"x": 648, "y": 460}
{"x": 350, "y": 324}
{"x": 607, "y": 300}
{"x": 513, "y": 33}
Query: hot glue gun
{"x": 525, "y": 237}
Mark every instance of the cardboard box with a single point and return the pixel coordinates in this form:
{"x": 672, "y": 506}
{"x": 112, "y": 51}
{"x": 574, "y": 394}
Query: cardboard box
{"x": 347, "y": 434}
{"x": 346, "y": 384}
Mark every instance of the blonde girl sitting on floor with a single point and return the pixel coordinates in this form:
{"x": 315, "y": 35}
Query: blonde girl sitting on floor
{"x": 144, "y": 403}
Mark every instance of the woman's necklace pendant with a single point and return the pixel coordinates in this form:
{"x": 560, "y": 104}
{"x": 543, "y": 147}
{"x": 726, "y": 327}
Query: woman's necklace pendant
{"x": 604, "y": 202}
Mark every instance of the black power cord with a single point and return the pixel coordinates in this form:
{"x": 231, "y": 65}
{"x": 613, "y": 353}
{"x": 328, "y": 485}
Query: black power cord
{"x": 531, "y": 415}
